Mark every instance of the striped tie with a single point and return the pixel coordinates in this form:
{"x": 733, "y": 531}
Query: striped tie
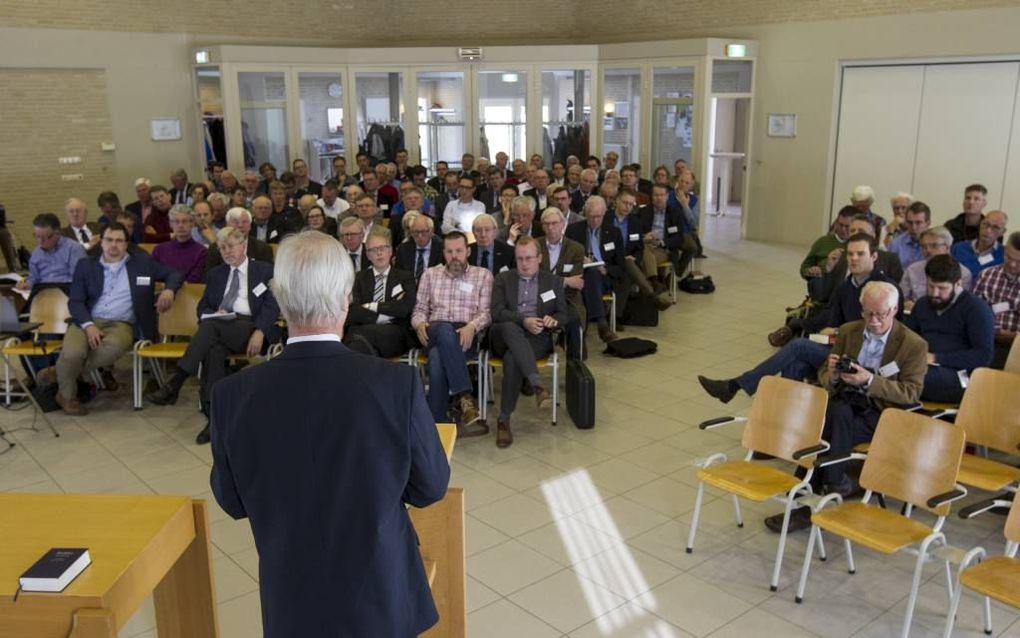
{"x": 380, "y": 288}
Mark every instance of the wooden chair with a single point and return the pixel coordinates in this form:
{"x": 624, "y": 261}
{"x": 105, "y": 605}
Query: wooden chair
{"x": 1013, "y": 358}
{"x": 990, "y": 416}
{"x": 913, "y": 458}
{"x": 147, "y": 247}
{"x": 997, "y": 577}
{"x": 181, "y": 320}
{"x": 786, "y": 422}
{"x": 490, "y": 363}
{"x": 275, "y": 248}
{"x": 50, "y": 308}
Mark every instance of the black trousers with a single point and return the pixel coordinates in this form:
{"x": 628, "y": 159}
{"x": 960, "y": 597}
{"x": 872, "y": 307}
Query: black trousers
{"x": 845, "y": 427}
{"x": 214, "y": 341}
{"x": 519, "y": 350}
{"x": 388, "y": 339}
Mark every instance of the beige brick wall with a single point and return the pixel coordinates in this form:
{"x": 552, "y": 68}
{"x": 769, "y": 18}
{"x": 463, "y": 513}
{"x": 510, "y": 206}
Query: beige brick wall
{"x": 57, "y": 113}
{"x": 415, "y": 22}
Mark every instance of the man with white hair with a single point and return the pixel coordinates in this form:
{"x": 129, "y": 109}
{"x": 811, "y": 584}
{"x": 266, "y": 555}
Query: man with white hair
{"x": 219, "y": 204}
{"x": 488, "y": 251}
{"x": 238, "y": 313}
{"x": 351, "y": 443}
{"x": 142, "y": 206}
{"x": 352, "y": 236}
{"x": 522, "y": 217}
{"x": 424, "y": 251}
{"x": 898, "y": 203}
{"x": 240, "y": 219}
{"x": 539, "y": 190}
{"x": 586, "y": 188}
{"x": 862, "y": 198}
{"x": 877, "y": 363}
{"x": 79, "y": 228}
{"x": 250, "y": 182}
{"x": 181, "y": 191}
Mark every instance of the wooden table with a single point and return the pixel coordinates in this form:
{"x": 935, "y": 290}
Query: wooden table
{"x": 140, "y": 545}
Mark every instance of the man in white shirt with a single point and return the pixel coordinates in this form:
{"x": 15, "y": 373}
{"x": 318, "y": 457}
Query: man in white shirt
{"x": 461, "y": 212}
{"x": 330, "y": 201}
{"x": 78, "y": 227}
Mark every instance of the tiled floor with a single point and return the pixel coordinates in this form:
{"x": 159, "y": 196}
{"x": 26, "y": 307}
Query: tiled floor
{"x": 570, "y": 532}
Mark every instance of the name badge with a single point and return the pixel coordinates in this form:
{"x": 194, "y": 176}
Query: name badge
{"x": 504, "y": 269}
{"x": 143, "y": 281}
{"x": 258, "y": 290}
{"x": 964, "y": 378}
{"x": 384, "y": 206}
{"x": 609, "y": 246}
{"x": 273, "y": 234}
{"x": 889, "y": 369}
{"x": 465, "y": 287}
{"x": 396, "y": 290}
{"x": 986, "y": 259}
{"x": 634, "y": 237}
{"x": 1001, "y": 307}
{"x": 672, "y": 230}
{"x": 548, "y": 295}
{"x": 568, "y": 267}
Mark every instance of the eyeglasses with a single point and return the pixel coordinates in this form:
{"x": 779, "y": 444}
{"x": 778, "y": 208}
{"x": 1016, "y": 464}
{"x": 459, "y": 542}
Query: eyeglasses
{"x": 351, "y": 234}
{"x": 377, "y": 249}
{"x": 881, "y": 316}
{"x": 421, "y": 233}
{"x": 933, "y": 246}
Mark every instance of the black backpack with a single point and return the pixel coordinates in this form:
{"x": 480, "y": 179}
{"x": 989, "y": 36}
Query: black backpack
{"x": 700, "y": 285}
{"x": 630, "y": 347}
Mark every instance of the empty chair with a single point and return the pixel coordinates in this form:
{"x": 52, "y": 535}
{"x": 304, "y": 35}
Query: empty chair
{"x": 181, "y": 320}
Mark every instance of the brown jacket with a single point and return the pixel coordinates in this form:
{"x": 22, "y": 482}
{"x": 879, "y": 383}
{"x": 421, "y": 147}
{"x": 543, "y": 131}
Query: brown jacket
{"x": 571, "y": 257}
{"x": 905, "y": 347}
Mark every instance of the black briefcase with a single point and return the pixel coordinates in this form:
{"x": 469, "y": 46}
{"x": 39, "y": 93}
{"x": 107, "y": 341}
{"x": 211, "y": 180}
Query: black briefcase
{"x": 580, "y": 395}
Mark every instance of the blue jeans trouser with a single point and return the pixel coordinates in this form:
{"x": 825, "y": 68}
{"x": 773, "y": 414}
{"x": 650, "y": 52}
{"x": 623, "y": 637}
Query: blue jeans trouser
{"x": 797, "y": 360}
{"x": 447, "y": 367}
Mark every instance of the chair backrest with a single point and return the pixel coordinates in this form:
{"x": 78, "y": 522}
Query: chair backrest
{"x": 181, "y": 320}
{"x": 786, "y": 416}
{"x": 147, "y": 247}
{"x": 1012, "y": 530}
{"x": 50, "y": 307}
{"x": 1013, "y": 359}
{"x": 913, "y": 458}
{"x": 990, "y": 410}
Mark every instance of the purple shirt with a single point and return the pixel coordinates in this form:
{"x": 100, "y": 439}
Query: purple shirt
{"x": 187, "y": 257}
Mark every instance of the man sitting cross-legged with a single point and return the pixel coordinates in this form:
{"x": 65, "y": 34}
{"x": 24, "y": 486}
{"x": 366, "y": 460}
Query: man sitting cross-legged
{"x": 243, "y": 312}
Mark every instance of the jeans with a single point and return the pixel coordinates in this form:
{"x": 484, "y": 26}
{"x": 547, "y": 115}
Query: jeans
{"x": 796, "y": 360}
{"x": 447, "y": 367}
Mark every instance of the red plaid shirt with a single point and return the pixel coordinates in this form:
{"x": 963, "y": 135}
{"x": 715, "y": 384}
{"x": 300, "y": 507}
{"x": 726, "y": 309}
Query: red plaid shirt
{"x": 996, "y": 287}
{"x": 463, "y": 299}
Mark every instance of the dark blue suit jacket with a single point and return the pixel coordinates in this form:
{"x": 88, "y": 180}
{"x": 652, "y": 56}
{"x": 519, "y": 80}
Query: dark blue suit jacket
{"x": 264, "y": 309}
{"x": 87, "y": 286}
{"x": 321, "y": 448}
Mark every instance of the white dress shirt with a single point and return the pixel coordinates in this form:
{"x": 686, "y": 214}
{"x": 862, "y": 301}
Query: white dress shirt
{"x": 339, "y": 207}
{"x": 241, "y": 305}
{"x": 460, "y": 216}
{"x": 326, "y": 336}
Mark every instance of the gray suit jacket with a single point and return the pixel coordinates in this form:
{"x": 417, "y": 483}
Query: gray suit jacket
{"x": 505, "y": 291}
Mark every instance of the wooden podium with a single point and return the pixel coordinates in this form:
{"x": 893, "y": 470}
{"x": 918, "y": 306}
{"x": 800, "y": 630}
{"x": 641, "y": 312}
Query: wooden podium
{"x": 139, "y": 545}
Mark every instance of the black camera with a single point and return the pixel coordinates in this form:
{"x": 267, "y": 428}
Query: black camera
{"x": 845, "y": 364}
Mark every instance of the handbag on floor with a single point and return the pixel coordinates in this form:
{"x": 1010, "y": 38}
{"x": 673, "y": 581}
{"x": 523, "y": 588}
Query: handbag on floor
{"x": 697, "y": 284}
{"x": 630, "y": 347}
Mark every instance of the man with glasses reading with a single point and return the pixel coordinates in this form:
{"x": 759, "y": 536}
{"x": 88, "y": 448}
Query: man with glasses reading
{"x": 383, "y": 297}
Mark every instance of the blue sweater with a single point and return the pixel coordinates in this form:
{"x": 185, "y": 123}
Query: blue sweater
{"x": 962, "y": 337}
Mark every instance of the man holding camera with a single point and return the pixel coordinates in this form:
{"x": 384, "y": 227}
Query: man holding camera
{"x": 877, "y": 363}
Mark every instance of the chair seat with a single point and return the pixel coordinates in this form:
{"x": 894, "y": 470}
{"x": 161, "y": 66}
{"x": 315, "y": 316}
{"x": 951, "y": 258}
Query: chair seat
{"x": 996, "y": 577}
{"x": 753, "y": 481}
{"x": 872, "y": 526}
{"x": 986, "y": 474}
{"x": 497, "y": 362}
{"x": 862, "y": 448}
{"x": 173, "y": 350}
{"x": 29, "y": 349}
{"x": 939, "y": 406}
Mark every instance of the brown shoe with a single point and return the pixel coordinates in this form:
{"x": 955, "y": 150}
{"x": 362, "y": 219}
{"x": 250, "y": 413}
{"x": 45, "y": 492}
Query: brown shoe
{"x": 46, "y": 376}
{"x": 542, "y": 398}
{"x": 468, "y": 410}
{"x": 780, "y": 337}
{"x": 479, "y": 428}
{"x": 71, "y": 406}
{"x": 606, "y": 334}
{"x": 504, "y": 437}
{"x": 109, "y": 382}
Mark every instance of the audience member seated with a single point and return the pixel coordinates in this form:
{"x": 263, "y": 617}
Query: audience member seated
{"x": 801, "y": 358}
{"x": 504, "y": 212}
{"x": 109, "y": 206}
{"x": 488, "y": 251}
{"x": 156, "y": 225}
{"x": 966, "y": 225}
{"x": 629, "y": 180}
{"x": 603, "y": 244}
{"x": 587, "y": 186}
{"x": 523, "y": 221}
{"x": 560, "y": 198}
{"x": 303, "y": 184}
{"x": 250, "y": 184}
{"x": 999, "y": 286}
{"x": 377, "y": 184}
{"x": 226, "y": 182}
{"x": 907, "y": 246}
{"x": 683, "y": 196}
{"x": 565, "y": 258}
{"x": 821, "y": 289}
{"x": 240, "y": 219}
{"x": 985, "y": 251}
{"x": 958, "y": 327}
{"x": 449, "y": 191}
{"x": 53, "y": 262}
{"x": 79, "y": 228}
{"x": 527, "y": 305}
{"x": 887, "y": 362}
{"x": 934, "y": 241}
{"x": 219, "y": 204}
{"x": 370, "y": 216}
{"x": 332, "y": 205}
{"x": 467, "y": 167}
{"x": 182, "y": 253}
{"x": 822, "y": 250}
{"x": 237, "y": 312}
{"x": 490, "y": 195}
{"x": 898, "y": 203}
{"x": 316, "y": 220}
{"x": 352, "y": 236}
{"x": 142, "y": 206}
{"x": 424, "y": 251}
{"x": 461, "y": 212}
{"x": 268, "y": 173}
{"x": 862, "y": 198}
{"x": 112, "y": 298}
{"x": 180, "y": 193}
{"x": 438, "y": 182}
{"x": 378, "y": 321}
{"x": 340, "y": 176}
{"x": 572, "y": 179}
{"x": 411, "y": 198}
{"x": 283, "y": 209}
{"x": 627, "y": 220}
{"x": 238, "y": 197}
{"x": 451, "y": 311}
{"x": 663, "y": 235}
{"x": 202, "y": 230}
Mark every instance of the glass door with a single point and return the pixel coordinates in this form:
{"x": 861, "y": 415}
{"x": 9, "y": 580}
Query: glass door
{"x": 321, "y": 102}
{"x": 441, "y": 118}
{"x": 210, "y": 106}
{"x": 502, "y": 113}
{"x": 621, "y": 124}
{"x": 566, "y": 114}
{"x": 380, "y": 103}
{"x": 263, "y": 102}
{"x": 672, "y": 116}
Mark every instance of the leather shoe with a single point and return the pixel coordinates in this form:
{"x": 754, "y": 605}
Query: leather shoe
{"x": 203, "y": 436}
{"x": 780, "y": 337}
{"x": 109, "y": 382}
{"x": 162, "y": 396}
{"x": 478, "y": 428}
{"x": 71, "y": 406}
{"x": 607, "y": 335}
{"x": 468, "y": 410}
{"x": 800, "y": 518}
{"x": 504, "y": 437}
{"x": 526, "y": 389}
{"x": 721, "y": 390}
{"x": 542, "y": 398}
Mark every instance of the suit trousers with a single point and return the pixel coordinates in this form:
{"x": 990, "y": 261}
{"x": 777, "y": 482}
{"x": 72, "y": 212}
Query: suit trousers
{"x": 595, "y": 285}
{"x": 520, "y": 350}
{"x": 653, "y": 257}
{"x": 633, "y": 270}
{"x": 688, "y": 249}
{"x": 388, "y": 339}
{"x": 447, "y": 366}
{"x": 210, "y": 346}
{"x": 797, "y": 360}
{"x": 942, "y": 384}
{"x": 76, "y": 357}
{"x": 844, "y": 428}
